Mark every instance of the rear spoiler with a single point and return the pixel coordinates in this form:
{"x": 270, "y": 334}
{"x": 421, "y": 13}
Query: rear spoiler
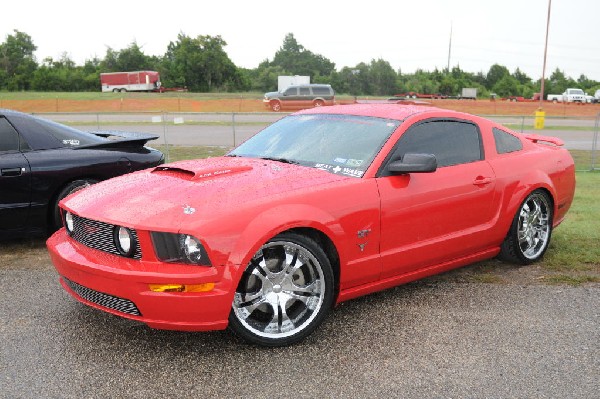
{"x": 117, "y": 139}
{"x": 544, "y": 139}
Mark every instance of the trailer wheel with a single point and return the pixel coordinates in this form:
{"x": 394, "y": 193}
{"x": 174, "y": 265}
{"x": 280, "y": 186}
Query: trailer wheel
{"x": 115, "y": 90}
{"x": 123, "y": 90}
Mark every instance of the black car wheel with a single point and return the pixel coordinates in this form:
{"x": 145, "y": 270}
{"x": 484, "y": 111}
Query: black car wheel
{"x": 285, "y": 292}
{"x": 70, "y": 188}
{"x": 530, "y": 231}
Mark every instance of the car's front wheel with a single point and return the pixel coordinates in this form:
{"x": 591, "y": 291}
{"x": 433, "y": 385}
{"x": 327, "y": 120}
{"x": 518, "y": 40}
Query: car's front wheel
{"x": 284, "y": 293}
{"x": 530, "y": 231}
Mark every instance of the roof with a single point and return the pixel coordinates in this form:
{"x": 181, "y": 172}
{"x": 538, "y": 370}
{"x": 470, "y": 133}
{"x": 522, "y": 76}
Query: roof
{"x": 389, "y": 111}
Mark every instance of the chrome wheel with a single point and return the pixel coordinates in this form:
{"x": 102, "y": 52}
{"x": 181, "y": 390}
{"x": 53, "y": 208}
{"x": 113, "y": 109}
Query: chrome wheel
{"x": 534, "y": 226}
{"x": 284, "y": 293}
{"x": 530, "y": 231}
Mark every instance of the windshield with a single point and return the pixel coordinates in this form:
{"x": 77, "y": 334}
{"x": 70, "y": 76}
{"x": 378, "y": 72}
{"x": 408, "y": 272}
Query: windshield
{"x": 340, "y": 144}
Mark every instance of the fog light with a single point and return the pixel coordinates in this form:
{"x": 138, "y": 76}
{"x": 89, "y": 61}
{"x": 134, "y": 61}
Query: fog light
{"x": 124, "y": 240}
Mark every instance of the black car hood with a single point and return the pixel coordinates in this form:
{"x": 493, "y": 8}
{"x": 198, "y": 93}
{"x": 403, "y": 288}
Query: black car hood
{"x": 118, "y": 139}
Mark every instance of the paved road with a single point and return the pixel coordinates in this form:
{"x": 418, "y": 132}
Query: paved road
{"x": 226, "y": 129}
{"x": 434, "y": 339}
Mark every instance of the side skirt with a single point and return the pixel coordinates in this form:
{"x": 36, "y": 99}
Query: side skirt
{"x": 380, "y": 285}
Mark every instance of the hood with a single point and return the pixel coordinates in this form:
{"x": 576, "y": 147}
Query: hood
{"x": 272, "y": 94}
{"x": 161, "y": 198}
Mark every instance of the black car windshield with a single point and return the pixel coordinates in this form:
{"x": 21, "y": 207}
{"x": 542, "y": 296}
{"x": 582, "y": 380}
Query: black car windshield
{"x": 341, "y": 144}
{"x": 68, "y": 136}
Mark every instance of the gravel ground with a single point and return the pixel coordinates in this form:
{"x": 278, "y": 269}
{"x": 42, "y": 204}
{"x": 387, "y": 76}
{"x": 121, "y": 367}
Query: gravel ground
{"x": 443, "y": 337}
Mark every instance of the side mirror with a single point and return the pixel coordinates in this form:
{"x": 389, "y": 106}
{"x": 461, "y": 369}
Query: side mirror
{"x": 414, "y": 163}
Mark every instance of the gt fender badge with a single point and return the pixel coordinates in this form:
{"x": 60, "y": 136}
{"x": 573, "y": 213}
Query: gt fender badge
{"x": 188, "y": 210}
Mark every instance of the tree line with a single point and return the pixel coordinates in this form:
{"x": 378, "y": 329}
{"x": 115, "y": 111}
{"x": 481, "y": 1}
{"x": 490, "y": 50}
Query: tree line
{"x": 201, "y": 64}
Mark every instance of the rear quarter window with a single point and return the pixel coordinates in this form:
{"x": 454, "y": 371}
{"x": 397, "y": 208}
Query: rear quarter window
{"x": 322, "y": 91}
{"x": 506, "y": 142}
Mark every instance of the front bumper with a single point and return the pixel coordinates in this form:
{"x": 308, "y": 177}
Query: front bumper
{"x": 119, "y": 285}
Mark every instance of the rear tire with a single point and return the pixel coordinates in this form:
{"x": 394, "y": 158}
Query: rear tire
{"x": 530, "y": 231}
{"x": 75, "y": 185}
{"x": 276, "y": 106}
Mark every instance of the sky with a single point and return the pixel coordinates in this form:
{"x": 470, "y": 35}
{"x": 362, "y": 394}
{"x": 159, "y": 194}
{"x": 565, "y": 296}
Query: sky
{"x": 409, "y": 34}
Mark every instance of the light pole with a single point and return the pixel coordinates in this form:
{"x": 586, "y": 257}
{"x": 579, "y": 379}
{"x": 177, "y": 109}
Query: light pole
{"x": 545, "y": 54}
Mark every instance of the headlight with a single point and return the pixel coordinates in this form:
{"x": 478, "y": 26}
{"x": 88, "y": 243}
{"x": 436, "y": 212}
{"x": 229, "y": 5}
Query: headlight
{"x": 69, "y": 222}
{"x": 192, "y": 248}
{"x": 179, "y": 248}
{"x": 124, "y": 240}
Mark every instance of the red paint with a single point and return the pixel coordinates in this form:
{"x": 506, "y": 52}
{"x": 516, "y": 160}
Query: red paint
{"x": 386, "y": 230}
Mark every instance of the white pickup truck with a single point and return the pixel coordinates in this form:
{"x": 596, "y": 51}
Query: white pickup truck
{"x": 569, "y": 96}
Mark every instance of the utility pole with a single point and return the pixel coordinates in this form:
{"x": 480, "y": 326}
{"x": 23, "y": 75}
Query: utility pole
{"x": 545, "y": 54}
{"x": 450, "y": 47}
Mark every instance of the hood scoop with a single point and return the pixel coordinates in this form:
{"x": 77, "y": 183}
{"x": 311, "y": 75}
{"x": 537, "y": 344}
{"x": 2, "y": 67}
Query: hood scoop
{"x": 200, "y": 174}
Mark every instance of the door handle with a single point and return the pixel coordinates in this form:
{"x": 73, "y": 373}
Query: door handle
{"x": 481, "y": 181}
{"x": 8, "y": 172}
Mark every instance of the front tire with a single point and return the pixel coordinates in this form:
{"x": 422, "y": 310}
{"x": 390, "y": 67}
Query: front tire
{"x": 285, "y": 292}
{"x": 531, "y": 230}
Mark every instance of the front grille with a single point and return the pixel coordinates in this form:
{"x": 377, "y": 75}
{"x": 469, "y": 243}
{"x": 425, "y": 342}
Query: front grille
{"x": 104, "y": 300}
{"x": 99, "y": 235}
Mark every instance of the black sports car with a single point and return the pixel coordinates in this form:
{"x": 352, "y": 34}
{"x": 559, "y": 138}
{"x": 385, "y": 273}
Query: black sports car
{"x": 42, "y": 162}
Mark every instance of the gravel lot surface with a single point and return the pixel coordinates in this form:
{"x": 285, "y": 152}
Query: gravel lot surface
{"x": 443, "y": 337}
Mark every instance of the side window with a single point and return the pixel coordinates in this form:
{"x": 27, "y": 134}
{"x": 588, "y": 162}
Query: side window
{"x": 506, "y": 142}
{"x": 291, "y": 91}
{"x": 321, "y": 91}
{"x": 9, "y": 138}
{"x": 452, "y": 142}
{"x": 304, "y": 91}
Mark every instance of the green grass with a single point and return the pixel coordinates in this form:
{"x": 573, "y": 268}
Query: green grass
{"x": 179, "y": 153}
{"x": 31, "y": 95}
{"x": 575, "y": 245}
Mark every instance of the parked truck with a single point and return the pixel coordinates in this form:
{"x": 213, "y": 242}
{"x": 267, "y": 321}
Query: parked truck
{"x": 283, "y": 82}
{"x": 569, "y": 96}
{"x": 468, "y": 93}
{"x": 130, "y": 81}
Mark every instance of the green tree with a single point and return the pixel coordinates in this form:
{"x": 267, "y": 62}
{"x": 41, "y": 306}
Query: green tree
{"x": 17, "y": 61}
{"x": 201, "y": 64}
{"x": 495, "y": 74}
{"x": 507, "y": 86}
{"x": 296, "y": 60}
{"x": 382, "y": 78}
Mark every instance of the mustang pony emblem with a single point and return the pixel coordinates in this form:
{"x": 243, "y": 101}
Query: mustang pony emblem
{"x": 188, "y": 210}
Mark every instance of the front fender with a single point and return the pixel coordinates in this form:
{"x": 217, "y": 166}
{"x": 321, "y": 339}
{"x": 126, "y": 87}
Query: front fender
{"x": 268, "y": 224}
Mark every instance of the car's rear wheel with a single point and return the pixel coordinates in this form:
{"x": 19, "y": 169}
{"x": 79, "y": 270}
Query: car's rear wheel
{"x": 319, "y": 103}
{"x": 276, "y": 106}
{"x": 285, "y": 292}
{"x": 75, "y": 185}
{"x": 530, "y": 231}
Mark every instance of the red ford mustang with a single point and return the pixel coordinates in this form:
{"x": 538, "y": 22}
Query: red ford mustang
{"x": 322, "y": 206}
